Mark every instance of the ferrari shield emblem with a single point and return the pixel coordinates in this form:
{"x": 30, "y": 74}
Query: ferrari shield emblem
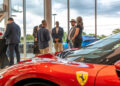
{"x": 82, "y": 77}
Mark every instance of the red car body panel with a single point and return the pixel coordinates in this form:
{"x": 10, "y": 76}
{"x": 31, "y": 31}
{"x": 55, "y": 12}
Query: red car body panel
{"x": 50, "y": 56}
{"x": 107, "y": 77}
{"x": 58, "y": 71}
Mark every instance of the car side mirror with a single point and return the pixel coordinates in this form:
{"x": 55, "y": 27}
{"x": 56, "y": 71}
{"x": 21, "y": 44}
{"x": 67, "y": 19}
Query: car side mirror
{"x": 117, "y": 65}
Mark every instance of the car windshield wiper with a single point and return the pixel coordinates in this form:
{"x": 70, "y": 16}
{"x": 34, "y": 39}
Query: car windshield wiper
{"x": 64, "y": 54}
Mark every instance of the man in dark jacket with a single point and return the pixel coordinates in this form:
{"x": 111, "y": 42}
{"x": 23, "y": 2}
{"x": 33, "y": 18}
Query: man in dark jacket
{"x": 43, "y": 38}
{"x": 57, "y": 35}
{"x": 12, "y": 36}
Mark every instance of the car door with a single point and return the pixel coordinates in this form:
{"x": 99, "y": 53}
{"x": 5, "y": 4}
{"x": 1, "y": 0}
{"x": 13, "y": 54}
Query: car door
{"x": 108, "y": 77}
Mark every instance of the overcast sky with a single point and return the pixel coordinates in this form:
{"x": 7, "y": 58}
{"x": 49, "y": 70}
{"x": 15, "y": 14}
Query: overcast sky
{"x": 108, "y": 14}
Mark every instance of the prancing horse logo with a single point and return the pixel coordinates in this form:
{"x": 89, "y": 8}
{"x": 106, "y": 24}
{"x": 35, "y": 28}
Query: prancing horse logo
{"x": 82, "y": 77}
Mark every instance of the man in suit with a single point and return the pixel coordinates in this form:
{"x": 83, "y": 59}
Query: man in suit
{"x": 57, "y": 35}
{"x": 12, "y": 36}
{"x": 43, "y": 38}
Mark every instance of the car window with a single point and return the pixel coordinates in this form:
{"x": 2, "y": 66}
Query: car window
{"x": 100, "y": 56}
{"x": 104, "y": 43}
{"x": 96, "y": 50}
{"x": 102, "y": 49}
{"x": 115, "y": 36}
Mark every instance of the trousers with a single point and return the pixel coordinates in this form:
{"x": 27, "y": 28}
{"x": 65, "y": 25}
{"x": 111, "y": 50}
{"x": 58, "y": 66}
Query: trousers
{"x": 14, "y": 48}
{"x": 58, "y": 47}
{"x": 44, "y": 51}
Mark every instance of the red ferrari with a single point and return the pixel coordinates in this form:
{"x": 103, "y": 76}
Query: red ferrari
{"x": 96, "y": 65}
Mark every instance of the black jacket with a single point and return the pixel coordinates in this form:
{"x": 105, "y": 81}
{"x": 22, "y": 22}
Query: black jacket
{"x": 12, "y": 34}
{"x": 59, "y": 35}
{"x": 43, "y": 38}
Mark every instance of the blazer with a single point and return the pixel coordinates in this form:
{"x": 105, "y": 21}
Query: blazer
{"x": 12, "y": 34}
{"x": 71, "y": 34}
{"x": 43, "y": 38}
{"x": 59, "y": 35}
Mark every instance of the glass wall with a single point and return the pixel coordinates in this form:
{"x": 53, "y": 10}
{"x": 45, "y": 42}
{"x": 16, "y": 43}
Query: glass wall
{"x": 1, "y": 5}
{"x": 85, "y": 9}
{"x": 108, "y": 16}
{"x": 1, "y": 22}
{"x": 59, "y": 7}
{"x": 34, "y": 16}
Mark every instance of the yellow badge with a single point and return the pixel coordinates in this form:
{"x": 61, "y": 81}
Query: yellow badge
{"x": 82, "y": 77}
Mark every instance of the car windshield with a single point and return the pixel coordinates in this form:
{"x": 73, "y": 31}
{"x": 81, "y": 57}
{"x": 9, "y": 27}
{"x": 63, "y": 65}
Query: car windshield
{"x": 96, "y": 50}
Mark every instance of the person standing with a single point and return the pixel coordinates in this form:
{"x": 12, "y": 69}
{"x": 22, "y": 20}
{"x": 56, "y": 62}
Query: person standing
{"x": 57, "y": 35}
{"x": 77, "y": 37}
{"x": 71, "y": 33}
{"x": 43, "y": 38}
{"x": 12, "y": 36}
{"x": 36, "y": 46}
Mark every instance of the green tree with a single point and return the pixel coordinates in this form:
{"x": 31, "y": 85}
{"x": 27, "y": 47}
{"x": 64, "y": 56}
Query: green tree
{"x": 98, "y": 36}
{"x": 91, "y": 34}
{"x": 116, "y": 31}
{"x": 65, "y": 36}
{"x": 102, "y": 36}
{"x": 84, "y": 33}
{"x": 22, "y": 39}
{"x": 29, "y": 37}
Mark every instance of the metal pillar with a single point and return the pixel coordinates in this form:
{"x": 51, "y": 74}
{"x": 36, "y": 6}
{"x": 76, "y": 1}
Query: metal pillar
{"x": 54, "y": 15}
{"x": 47, "y": 13}
{"x": 48, "y": 17}
{"x": 10, "y": 8}
{"x": 95, "y": 18}
{"x": 7, "y": 4}
{"x": 24, "y": 25}
{"x": 68, "y": 12}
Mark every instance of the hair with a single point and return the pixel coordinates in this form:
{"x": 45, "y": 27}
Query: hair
{"x": 43, "y": 23}
{"x": 57, "y": 22}
{"x": 40, "y": 26}
{"x": 35, "y": 28}
{"x": 80, "y": 21}
{"x": 10, "y": 19}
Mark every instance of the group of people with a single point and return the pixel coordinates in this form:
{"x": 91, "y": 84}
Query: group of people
{"x": 42, "y": 36}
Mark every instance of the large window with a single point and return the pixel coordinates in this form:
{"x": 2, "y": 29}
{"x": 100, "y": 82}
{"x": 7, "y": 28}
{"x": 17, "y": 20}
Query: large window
{"x": 1, "y": 22}
{"x": 34, "y": 16}
{"x": 1, "y": 5}
{"x": 59, "y": 7}
{"x": 108, "y": 16}
{"x": 85, "y": 9}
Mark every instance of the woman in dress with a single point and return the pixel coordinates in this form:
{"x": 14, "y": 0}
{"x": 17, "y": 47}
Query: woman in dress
{"x": 77, "y": 38}
{"x": 36, "y": 46}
